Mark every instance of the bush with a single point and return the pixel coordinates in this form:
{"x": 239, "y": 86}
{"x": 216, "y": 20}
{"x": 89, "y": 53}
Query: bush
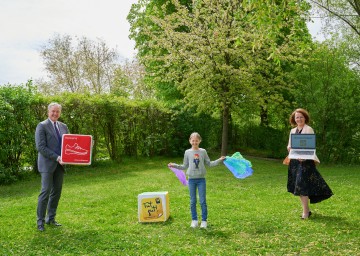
{"x": 263, "y": 141}
{"x": 8, "y": 175}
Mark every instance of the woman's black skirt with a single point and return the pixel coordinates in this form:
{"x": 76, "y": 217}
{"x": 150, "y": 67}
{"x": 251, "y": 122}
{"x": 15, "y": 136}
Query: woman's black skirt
{"x": 305, "y": 180}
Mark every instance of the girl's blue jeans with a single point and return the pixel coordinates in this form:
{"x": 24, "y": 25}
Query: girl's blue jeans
{"x": 200, "y": 185}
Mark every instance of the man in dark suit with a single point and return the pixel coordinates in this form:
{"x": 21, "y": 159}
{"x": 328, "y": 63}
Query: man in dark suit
{"x": 48, "y": 144}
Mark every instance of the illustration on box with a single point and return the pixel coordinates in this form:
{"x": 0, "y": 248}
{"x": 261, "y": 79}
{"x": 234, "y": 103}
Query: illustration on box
{"x": 152, "y": 208}
{"x": 76, "y": 149}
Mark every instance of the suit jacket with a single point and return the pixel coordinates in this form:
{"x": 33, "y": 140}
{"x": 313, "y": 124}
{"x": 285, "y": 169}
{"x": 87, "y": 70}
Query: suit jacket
{"x": 47, "y": 144}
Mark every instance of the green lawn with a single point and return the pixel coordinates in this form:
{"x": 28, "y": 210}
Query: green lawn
{"x": 254, "y": 216}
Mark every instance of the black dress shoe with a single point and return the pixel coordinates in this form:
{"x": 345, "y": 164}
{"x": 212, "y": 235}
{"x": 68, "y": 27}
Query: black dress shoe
{"x": 41, "y": 228}
{"x": 53, "y": 223}
{"x": 307, "y": 216}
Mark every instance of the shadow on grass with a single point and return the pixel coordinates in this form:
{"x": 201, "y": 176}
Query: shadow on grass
{"x": 211, "y": 231}
{"x": 334, "y": 221}
{"x": 56, "y": 240}
{"x": 168, "y": 222}
{"x": 215, "y": 233}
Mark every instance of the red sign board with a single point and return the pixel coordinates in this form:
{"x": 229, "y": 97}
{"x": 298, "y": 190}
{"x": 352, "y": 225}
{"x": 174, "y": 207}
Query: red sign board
{"x": 76, "y": 149}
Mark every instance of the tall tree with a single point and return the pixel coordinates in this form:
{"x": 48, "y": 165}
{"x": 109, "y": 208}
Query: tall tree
{"x": 62, "y": 63}
{"x": 87, "y": 66}
{"x": 140, "y": 19}
{"x": 342, "y": 18}
{"x": 347, "y": 11}
{"x": 99, "y": 62}
{"x": 206, "y": 49}
{"x": 330, "y": 90}
{"x": 129, "y": 81}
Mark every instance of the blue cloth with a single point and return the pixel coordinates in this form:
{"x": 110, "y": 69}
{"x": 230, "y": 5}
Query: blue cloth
{"x": 200, "y": 184}
{"x": 239, "y": 166}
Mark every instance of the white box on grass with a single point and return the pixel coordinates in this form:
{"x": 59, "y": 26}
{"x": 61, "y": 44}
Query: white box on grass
{"x": 153, "y": 206}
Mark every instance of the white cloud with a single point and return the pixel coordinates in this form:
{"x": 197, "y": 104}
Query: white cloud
{"x": 26, "y": 25}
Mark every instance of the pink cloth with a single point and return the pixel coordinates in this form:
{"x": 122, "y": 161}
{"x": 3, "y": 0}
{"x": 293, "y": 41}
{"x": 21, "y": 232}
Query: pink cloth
{"x": 180, "y": 174}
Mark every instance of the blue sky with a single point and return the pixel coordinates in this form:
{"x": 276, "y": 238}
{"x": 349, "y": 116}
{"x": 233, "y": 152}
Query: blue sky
{"x": 26, "y": 25}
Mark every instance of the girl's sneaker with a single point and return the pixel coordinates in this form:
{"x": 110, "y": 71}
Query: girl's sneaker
{"x": 194, "y": 224}
{"x": 203, "y": 224}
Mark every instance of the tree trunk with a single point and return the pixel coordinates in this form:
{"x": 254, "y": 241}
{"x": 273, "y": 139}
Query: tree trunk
{"x": 225, "y": 130}
{"x": 264, "y": 120}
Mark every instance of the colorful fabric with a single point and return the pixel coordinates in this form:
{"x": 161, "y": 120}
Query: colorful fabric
{"x": 239, "y": 166}
{"x": 180, "y": 174}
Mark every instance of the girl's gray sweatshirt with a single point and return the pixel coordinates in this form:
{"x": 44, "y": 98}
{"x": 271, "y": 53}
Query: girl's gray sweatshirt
{"x": 194, "y": 162}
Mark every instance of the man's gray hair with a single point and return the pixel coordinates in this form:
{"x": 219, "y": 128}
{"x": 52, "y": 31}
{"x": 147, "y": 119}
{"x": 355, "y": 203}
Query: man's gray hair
{"x": 52, "y": 104}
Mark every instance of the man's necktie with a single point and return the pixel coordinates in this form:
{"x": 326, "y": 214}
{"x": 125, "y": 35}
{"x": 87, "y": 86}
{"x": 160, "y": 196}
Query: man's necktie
{"x": 57, "y": 133}
{"x": 58, "y": 151}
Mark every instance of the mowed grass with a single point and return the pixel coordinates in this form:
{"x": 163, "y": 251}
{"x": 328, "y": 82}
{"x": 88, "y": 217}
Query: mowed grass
{"x": 254, "y": 216}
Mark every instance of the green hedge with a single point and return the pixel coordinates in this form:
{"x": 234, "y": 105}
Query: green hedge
{"x": 119, "y": 127}
{"x": 262, "y": 141}
{"x": 18, "y": 120}
{"x": 122, "y": 127}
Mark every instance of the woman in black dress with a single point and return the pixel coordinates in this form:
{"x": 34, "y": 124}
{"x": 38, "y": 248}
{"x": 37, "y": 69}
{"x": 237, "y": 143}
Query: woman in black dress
{"x": 304, "y": 180}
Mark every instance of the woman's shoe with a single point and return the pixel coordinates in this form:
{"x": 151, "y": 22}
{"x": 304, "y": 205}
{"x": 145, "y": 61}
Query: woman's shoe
{"x": 304, "y": 218}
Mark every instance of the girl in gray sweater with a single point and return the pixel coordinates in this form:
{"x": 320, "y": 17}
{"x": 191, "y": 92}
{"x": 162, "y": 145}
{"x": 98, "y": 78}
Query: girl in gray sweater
{"x": 194, "y": 162}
